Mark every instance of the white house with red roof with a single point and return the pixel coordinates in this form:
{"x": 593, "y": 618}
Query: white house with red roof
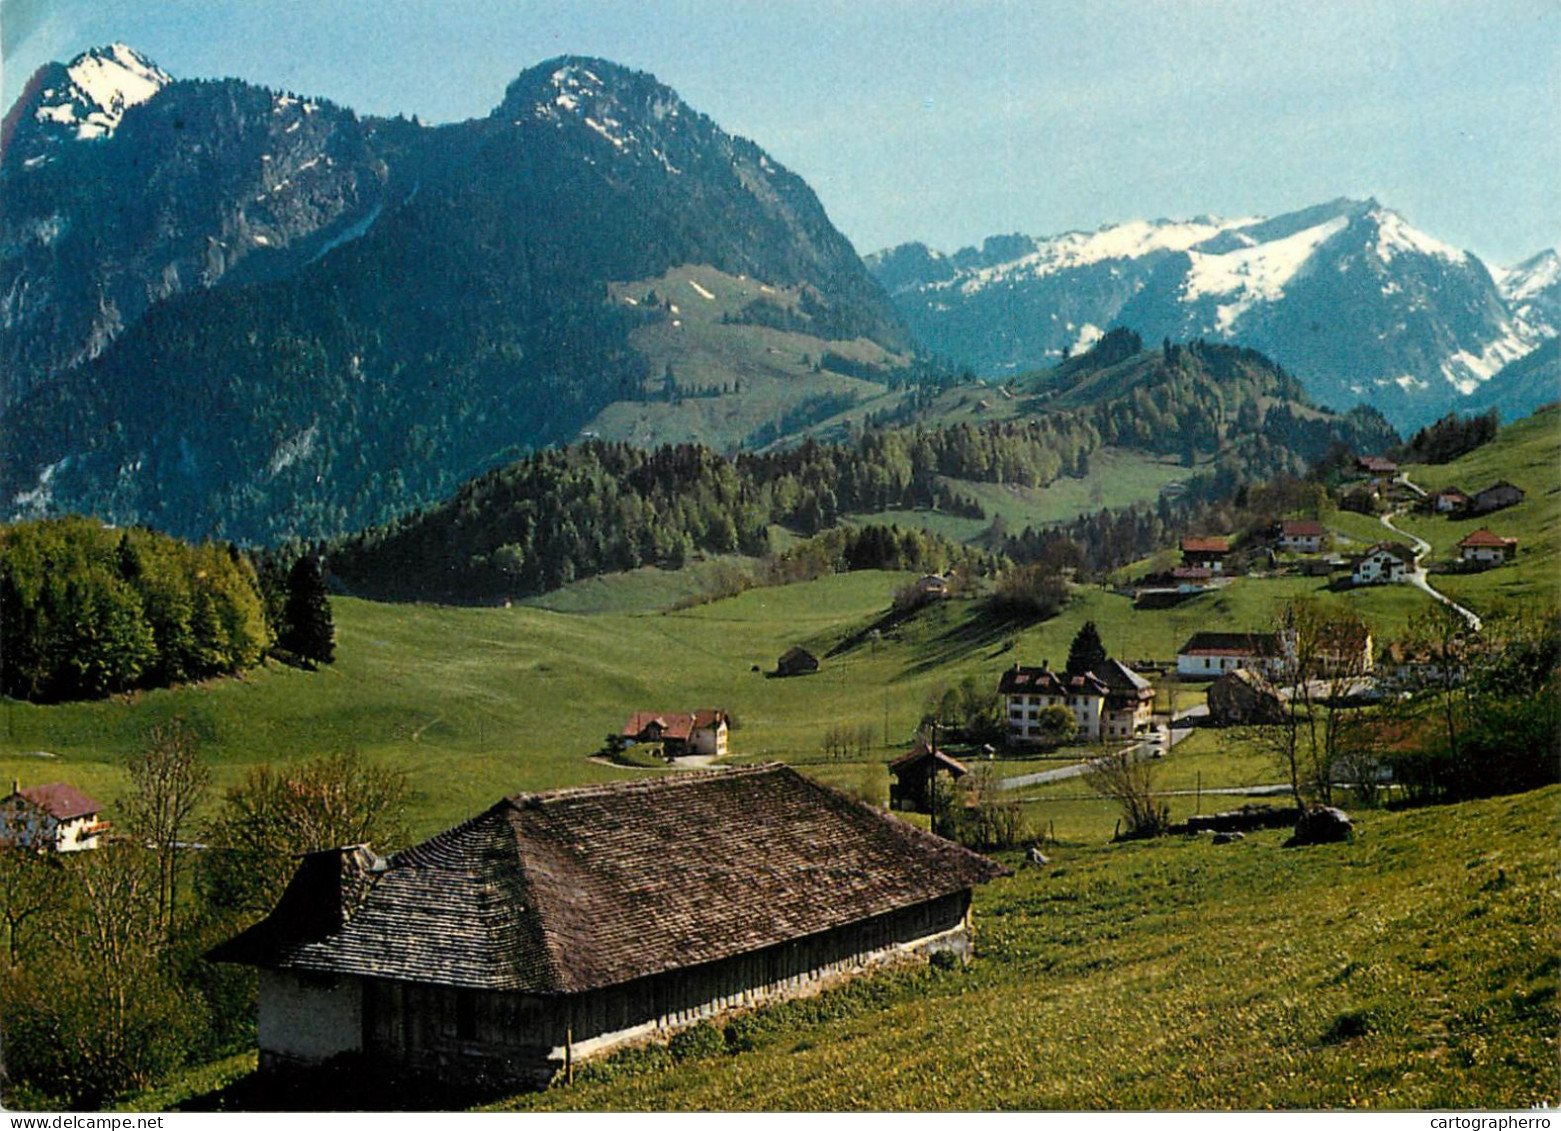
{"x": 1302, "y": 535}
{"x": 50, "y": 818}
{"x": 680, "y": 732}
{"x": 1487, "y": 548}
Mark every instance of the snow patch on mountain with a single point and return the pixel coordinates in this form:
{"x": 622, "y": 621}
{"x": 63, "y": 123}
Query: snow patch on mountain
{"x": 1250, "y": 275}
{"x": 1395, "y": 237}
{"x": 104, "y": 83}
{"x": 1131, "y": 240}
{"x": 1521, "y": 283}
{"x": 1468, "y": 370}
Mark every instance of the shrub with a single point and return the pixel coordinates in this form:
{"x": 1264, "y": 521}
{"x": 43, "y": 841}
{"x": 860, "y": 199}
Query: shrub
{"x": 699, "y": 1043}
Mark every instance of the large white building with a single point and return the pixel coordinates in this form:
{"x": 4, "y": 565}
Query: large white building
{"x": 1111, "y": 702}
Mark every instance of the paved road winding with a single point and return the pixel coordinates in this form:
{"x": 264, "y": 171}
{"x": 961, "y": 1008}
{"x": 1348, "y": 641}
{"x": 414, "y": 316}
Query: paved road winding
{"x": 1417, "y": 576}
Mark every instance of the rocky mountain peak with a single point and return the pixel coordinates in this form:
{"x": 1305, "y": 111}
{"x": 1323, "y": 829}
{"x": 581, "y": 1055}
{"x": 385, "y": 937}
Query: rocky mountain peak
{"x": 99, "y": 86}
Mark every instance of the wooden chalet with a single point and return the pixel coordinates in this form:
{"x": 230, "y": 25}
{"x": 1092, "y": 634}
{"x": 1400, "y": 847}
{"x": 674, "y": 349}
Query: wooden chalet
{"x": 1205, "y": 553}
{"x": 915, "y": 777}
{"x": 1450, "y": 501}
{"x": 1379, "y": 469}
{"x": 1497, "y": 496}
{"x": 557, "y": 926}
{"x": 1243, "y": 697}
{"x": 56, "y": 817}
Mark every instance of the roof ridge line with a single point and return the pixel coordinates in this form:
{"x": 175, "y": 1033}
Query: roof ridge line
{"x": 628, "y": 785}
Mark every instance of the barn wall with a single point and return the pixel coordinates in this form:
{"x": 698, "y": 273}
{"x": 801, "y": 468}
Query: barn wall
{"x": 308, "y": 1019}
{"x": 473, "y": 1035}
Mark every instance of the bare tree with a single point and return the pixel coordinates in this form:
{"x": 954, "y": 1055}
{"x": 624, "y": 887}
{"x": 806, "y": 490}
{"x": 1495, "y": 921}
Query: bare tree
{"x": 29, "y": 890}
{"x": 168, "y": 781}
{"x": 1129, "y": 781}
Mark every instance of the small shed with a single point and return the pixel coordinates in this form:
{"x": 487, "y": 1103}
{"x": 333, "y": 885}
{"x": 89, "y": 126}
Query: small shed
{"x": 796, "y": 661}
{"x": 915, "y": 777}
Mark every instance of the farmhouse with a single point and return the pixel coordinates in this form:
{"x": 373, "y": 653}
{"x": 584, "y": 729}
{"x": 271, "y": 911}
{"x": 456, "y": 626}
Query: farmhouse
{"x": 915, "y": 777}
{"x": 1209, "y": 655}
{"x": 1205, "y": 553}
{"x": 679, "y": 733}
{"x": 50, "y": 818}
{"x": 1302, "y": 535}
{"x": 1384, "y": 562}
{"x": 1450, "y": 501}
{"x": 1242, "y": 698}
{"x": 1486, "y": 548}
{"x": 1495, "y": 497}
{"x": 557, "y": 926}
{"x": 1110, "y": 702}
{"x": 1379, "y": 469}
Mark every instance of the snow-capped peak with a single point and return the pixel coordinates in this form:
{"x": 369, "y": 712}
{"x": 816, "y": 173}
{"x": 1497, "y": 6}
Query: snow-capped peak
{"x": 1395, "y": 237}
{"x": 103, "y": 83}
{"x": 1530, "y": 277}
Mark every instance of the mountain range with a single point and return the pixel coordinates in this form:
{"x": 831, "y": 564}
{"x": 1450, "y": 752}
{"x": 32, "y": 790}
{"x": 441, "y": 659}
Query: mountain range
{"x": 241, "y": 311}
{"x": 1348, "y": 296}
{"x": 231, "y": 310}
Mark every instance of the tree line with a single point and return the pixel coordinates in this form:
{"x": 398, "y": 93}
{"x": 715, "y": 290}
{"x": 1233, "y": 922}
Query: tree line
{"x": 104, "y": 990}
{"x": 90, "y": 610}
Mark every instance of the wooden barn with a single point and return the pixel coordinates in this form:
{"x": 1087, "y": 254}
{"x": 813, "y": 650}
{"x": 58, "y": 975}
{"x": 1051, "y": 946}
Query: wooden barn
{"x": 561, "y": 925}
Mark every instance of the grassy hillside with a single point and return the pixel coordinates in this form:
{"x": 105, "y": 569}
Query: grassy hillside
{"x": 762, "y": 372}
{"x": 478, "y": 702}
{"x": 1527, "y": 453}
{"x": 1413, "y": 968}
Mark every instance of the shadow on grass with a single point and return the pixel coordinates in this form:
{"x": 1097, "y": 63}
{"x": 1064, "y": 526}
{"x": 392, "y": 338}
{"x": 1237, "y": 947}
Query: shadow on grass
{"x": 349, "y": 1083}
{"x": 989, "y": 627}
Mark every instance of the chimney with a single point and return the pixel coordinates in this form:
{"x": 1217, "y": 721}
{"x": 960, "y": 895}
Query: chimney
{"x": 16, "y": 785}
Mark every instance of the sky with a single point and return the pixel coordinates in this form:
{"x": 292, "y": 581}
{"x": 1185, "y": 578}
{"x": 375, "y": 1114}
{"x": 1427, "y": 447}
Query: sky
{"x": 947, "y": 121}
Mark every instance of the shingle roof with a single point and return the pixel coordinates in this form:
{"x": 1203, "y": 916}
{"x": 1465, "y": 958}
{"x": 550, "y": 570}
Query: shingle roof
{"x": 1206, "y": 545}
{"x": 63, "y": 802}
{"x": 1019, "y": 680}
{"x": 576, "y": 889}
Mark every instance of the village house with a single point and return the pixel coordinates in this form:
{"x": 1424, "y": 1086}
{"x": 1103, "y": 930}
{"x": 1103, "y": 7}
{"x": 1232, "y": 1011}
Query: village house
{"x": 1450, "y": 501}
{"x": 1205, "y": 553}
{"x": 1111, "y": 702}
{"x": 1485, "y": 548}
{"x": 679, "y": 733}
{"x": 1386, "y": 562}
{"x": 1209, "y": 655}
{"x": 1495, "y": 497}
{"x": 1302, "y": 535}
{"x": 1379, "y": 470}
{"x": 915, "y": 777}
{"x": 1244, "y": 698}
{"x": 559, "y": 926}
{"x": 50, "y": 818}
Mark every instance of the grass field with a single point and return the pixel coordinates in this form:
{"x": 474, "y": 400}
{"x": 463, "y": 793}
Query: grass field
{"x": 1527, "y": 453}
{"x": 1414, "y": 967}
{"x": 475, "y": 703}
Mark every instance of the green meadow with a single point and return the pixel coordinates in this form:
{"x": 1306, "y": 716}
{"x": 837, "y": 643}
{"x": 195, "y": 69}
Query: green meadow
{"x": 1414, "y": 967}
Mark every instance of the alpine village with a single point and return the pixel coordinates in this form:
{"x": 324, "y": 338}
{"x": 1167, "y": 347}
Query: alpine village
{"x": 646, "y": 656}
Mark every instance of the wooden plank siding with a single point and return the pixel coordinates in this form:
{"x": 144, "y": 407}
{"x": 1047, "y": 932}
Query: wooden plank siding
{"x": 495, "y": 1037}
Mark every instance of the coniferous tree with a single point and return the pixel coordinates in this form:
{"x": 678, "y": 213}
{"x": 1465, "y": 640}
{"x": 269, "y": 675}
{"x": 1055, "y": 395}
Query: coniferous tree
{"x": 308, "y": 631}
{"x": 1086, "y": 653}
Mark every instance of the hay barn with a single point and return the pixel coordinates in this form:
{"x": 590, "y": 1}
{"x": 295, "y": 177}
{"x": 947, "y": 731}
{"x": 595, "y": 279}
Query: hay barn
{"x": 561, "y": 925}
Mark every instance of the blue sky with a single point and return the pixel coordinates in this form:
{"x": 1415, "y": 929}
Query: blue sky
{"x": 950, "y": 120}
